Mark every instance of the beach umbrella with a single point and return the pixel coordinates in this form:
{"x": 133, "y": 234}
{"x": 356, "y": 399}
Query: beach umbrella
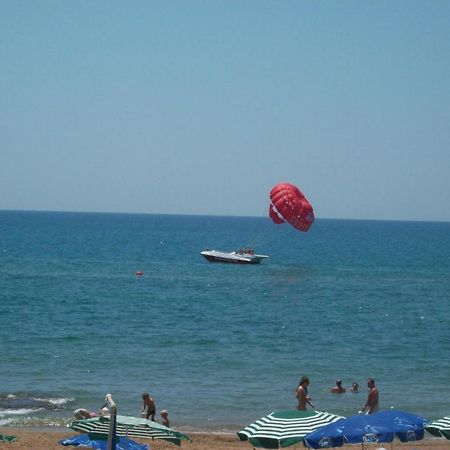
{"x": 369, "y": 428}
{"x": 7, "y": 438}
{"x": 84, "y": 440}
{"x": 284, "y": 428}
{"x": 98, "y": 427}
{"x": 440, "y": 428}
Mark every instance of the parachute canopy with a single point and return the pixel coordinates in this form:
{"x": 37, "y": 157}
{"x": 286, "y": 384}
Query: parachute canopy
{"x": 288, "y": 204}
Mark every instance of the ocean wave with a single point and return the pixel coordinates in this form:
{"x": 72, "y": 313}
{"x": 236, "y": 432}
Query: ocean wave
{"x": 26, "y": 403}
{"x": 18, "y": 412}
{"x": 60, "y": 403}
{"x": 35, "y": 422}
{"x": 4, "y": 422}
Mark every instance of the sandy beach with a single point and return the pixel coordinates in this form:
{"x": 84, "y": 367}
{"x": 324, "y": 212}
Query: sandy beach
{"x": 48, "y": 440}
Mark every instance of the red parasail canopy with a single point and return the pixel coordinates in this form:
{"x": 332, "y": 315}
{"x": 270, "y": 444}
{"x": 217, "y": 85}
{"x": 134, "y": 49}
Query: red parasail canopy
{"x": 288, "y": 204}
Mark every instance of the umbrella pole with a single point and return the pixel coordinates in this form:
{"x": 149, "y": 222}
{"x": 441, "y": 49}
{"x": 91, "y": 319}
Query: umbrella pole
{"x": 112, "y": 422}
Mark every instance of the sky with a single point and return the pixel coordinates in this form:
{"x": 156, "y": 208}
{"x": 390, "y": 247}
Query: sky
{"x": 201, "y": 107}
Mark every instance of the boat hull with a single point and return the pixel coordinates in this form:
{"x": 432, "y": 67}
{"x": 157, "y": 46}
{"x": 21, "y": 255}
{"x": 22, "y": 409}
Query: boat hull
{"x": 232, "y": 258}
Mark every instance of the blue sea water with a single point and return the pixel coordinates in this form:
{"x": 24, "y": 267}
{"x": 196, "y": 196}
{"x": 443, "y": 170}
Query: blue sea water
{"x": 219, "y": 345}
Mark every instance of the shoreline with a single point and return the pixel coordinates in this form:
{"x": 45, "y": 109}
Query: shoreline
{"x": 47, "y": 439}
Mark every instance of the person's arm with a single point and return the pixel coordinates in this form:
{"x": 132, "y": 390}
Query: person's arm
{"x": 308, "y": 399}
{"x": 300, "y": 397}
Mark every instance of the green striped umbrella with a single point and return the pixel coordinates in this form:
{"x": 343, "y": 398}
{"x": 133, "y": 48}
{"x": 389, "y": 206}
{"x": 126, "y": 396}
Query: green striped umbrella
{"x": 440, "y": 427}
{"x": 128, "y": 426}
{"x": 7, "y": 438}
{"x": 285, "y": 428}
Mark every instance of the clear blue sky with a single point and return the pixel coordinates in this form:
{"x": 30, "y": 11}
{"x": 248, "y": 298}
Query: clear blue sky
{"x": 200, "y": 107}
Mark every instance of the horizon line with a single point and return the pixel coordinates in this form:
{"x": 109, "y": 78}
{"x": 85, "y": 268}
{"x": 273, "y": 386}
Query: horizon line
{"x": 210, "y": 215}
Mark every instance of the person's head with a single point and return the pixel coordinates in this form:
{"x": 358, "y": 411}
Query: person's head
{"x": 338, "y": 383}
{"x": 355, "y": 385}
{"x": 164, "y": 413}
{"x": 304, "y": 381}
{"x": 145, "y": 395}
{"x": 371, "y": 382}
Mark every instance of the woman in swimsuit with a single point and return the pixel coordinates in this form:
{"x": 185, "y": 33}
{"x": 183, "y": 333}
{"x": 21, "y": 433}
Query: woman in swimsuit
{"x": 302, "y": 394}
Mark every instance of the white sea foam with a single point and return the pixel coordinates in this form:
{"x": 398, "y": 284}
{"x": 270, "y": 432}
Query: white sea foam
{"x": 4, "y": 422}
{"x": 55, "y": 401}
{"x": 18, "y": 412}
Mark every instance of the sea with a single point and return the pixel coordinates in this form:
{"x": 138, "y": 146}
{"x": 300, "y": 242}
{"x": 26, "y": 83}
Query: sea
{"x": 219, "y": 345}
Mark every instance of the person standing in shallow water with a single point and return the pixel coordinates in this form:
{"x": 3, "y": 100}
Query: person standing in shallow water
{"x": 148, "y": 407}
{"x": 371, "y": 405}
{"x": 302, "y": 394}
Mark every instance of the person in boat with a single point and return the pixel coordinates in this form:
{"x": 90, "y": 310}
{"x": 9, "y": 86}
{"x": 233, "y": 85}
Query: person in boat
{"x": 371, "y": 405}
{"x": 338, "y": 389}
{"x": 148, "y": 407}
{"x": 302, "y": 394}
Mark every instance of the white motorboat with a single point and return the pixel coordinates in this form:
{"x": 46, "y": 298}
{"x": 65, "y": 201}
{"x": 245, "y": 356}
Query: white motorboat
{"x": 242, "y": 256}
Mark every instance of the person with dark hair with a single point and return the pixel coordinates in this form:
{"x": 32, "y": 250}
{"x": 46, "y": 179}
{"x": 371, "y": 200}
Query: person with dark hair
{"x": 338, "y": 389}
{"x": 148, "y": 407}
{"x": 302, "y": 394}
{"x": 371, "y": 405}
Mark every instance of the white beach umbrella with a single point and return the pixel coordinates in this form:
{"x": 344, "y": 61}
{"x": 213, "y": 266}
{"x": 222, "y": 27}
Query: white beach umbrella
{"x": 129, "y": 427}
{"x": 285, "y": 428}
{"x": 440, "y": 427}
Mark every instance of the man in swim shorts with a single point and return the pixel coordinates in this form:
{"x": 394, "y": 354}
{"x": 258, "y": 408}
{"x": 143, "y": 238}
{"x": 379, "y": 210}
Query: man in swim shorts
{"x": 371, "y": 405}
{"x": 148, "y": 407}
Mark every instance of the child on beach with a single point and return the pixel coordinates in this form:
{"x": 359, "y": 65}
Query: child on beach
{"x": 148, "y": 407}
{"x": 165, "y": 418}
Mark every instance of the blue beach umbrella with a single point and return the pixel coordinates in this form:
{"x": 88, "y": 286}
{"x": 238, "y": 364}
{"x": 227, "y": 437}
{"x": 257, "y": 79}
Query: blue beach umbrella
{"x": 84, "y": 440}
{"x": 372, "y": 428}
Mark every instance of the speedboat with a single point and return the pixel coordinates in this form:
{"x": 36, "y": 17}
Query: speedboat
{"x": 241, "y": 256}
